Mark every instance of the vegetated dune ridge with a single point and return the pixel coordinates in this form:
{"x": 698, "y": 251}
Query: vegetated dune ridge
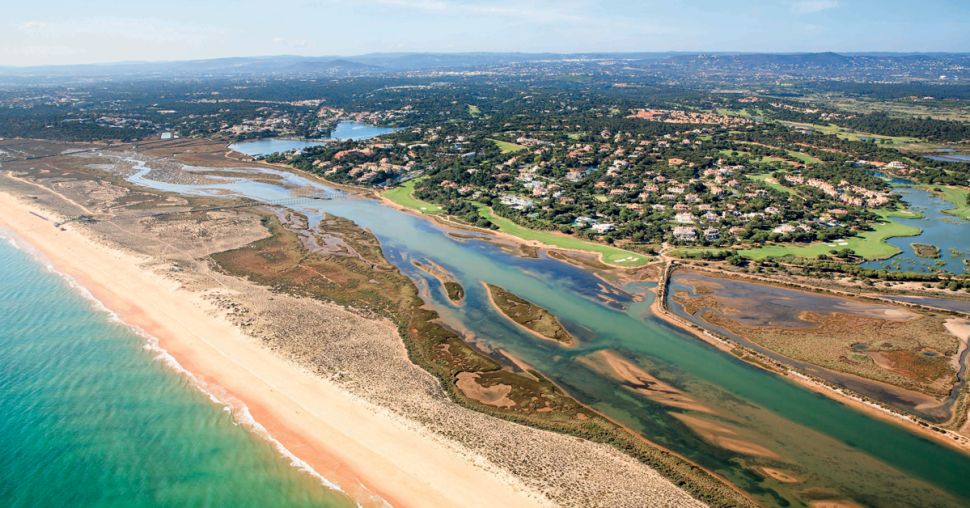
{"x": 352, "y": 405}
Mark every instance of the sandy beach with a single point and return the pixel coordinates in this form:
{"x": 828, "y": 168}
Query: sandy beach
{"x": 343, "y": 439}
{"x": 335, "y": 386}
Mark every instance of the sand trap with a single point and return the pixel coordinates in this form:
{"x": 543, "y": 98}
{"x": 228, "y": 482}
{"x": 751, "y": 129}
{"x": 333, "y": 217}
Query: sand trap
{"x": 497, "y": 395}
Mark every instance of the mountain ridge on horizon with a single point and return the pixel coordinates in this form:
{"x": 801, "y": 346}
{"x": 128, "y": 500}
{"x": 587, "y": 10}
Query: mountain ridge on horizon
{"x": 676, "y": 62}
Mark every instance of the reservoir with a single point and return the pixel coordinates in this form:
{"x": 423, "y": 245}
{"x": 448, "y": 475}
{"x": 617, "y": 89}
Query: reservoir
{"x": 761, "y": 420}
{"x": 343, "y": 132}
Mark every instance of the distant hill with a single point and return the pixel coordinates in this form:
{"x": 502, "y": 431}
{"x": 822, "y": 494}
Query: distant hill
{"x": 329, "y": 66}
{"x": 863, "y": 66}
{"x": 829, "y": 65}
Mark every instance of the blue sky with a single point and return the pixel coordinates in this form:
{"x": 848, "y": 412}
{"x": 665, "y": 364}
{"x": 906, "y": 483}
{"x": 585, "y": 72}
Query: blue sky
{"x": 67, "y": 32}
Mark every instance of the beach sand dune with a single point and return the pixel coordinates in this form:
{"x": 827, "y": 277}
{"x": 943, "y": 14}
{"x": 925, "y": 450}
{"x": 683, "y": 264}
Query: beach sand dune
{"x": 339, "y": 391}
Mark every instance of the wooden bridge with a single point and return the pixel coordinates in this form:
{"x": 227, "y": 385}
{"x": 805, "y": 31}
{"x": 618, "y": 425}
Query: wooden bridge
{"x": 309, "y": 198}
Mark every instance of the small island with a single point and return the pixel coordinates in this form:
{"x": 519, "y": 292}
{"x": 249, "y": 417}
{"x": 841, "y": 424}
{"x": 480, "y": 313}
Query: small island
{"x": 456, "y": 293}
{"x": 529, "y": 316}
{"x": 926, "y": 251}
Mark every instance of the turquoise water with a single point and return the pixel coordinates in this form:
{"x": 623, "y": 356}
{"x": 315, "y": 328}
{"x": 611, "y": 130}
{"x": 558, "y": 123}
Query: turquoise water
{"x": 343, "y": 132}
{"x": 92, "y": 417}
{"x": 836, "y": 451}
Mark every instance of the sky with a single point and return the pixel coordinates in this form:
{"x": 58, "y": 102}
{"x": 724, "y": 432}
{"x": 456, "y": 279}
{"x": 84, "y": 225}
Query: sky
{"x": 44, "y": 32}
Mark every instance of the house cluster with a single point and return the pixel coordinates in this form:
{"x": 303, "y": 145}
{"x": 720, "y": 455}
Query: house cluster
{"x": 844, "y": 192}
{"x": 692, "y": 117}
{"x": 365, "y": 171}
{"x": 517, "y": 202}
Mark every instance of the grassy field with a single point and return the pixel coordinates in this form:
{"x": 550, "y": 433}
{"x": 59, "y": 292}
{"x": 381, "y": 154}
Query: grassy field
{"x": 954, "y": 196}
{"x": 507, "y": 147}
{"x": 764, "y": 176}
{"x": 851, "y": 136}
{"x": 744, "y": 113}
{"x": 474, "y": 111}
{"x": 804, "y": 157}
{"x": 765, "y": 159}
{"x": 402, "y": 196}
{"x": 574, "y": 78}
{"x": 869, "y": 244}
{"x": 610, "y": 254}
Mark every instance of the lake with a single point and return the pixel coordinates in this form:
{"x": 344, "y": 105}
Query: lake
{"x": 343, "y": 132}
{"x": 939, "y": 229}
{"x": 949, "y": 158}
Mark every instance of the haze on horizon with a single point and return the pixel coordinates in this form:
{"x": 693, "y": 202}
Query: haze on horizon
{"x": 59, "y": 32}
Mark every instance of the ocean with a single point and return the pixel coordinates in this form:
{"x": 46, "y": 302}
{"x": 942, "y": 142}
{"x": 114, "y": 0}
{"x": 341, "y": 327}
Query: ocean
{"x": 94, "y": 414}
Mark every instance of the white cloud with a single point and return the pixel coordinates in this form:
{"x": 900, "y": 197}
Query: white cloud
{"x": 810, "y": 6}
{"x": 27, "y": 25}
{"x": 429, "y": 5}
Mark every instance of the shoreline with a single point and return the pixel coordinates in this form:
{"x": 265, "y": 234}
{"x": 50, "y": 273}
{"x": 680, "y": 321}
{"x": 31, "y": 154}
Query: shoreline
{"x": 840, "y": 395}
{"x": 347, "y": 440}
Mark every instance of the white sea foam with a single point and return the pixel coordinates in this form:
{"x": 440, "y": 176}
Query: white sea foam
{"x": 240, "y": 413}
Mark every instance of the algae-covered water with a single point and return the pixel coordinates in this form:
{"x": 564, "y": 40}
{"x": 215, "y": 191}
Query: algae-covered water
{"x": 93, "y": 415}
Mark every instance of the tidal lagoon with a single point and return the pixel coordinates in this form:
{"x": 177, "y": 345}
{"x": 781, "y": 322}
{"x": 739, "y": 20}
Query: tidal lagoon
{"x": 741, "y": 421}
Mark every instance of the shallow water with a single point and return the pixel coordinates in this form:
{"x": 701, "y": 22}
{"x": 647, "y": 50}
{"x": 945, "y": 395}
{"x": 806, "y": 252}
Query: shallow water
{"x": 343, "y": 132}
{"x": 839, "y": 452}
{"x": 939, "y": 229}
{"x": 942, "y": 303}
{"x": 93, "y": 416}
